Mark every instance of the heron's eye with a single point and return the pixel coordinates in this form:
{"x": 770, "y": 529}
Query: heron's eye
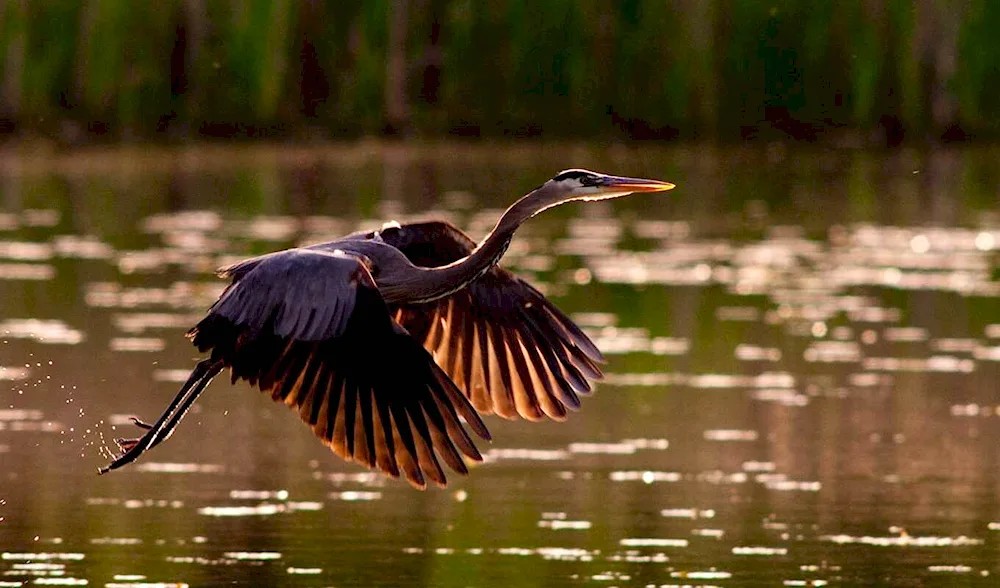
{"x": 589, "y": 180}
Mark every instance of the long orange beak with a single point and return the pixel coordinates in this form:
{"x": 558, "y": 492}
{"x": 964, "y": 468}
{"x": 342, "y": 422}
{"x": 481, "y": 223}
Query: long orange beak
{"x": 622, "y": 185}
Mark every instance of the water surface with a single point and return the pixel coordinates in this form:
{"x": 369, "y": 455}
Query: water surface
{"x": 803, "y": 354}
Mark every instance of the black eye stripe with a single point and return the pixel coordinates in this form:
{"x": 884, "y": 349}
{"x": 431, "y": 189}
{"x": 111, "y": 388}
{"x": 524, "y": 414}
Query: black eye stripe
{"x": 572, "y": 174}
{"x": 586, "y": 178}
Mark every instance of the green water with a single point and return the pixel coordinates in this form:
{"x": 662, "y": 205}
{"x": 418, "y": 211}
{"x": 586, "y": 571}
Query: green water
{"x": 802, "y": 349}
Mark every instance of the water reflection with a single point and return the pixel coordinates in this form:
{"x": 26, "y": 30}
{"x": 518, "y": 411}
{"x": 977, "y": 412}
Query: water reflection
{"x": 803, "y": 355}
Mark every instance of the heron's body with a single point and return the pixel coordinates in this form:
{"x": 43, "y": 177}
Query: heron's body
{"x": 390, "y": 344}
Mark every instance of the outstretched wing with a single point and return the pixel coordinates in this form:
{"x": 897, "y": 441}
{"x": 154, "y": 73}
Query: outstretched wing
{"x": 509, "y": 349}
{"x": 311, "y": 328}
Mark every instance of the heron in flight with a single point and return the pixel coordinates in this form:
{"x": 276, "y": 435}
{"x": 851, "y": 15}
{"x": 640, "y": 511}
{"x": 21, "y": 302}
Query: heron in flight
{"x": 390, "y": 344}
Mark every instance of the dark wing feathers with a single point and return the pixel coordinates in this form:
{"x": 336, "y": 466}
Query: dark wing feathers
{"x": 311, "y": 329}
{"x": 509, "y": 349}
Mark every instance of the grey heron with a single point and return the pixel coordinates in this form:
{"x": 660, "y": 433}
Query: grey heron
{"x": 390, "y": 344}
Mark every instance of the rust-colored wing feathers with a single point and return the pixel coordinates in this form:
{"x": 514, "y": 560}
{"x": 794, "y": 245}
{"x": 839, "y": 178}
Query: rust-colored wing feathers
{"x": 516, "y": 358}
{"x": 509, "y": 349}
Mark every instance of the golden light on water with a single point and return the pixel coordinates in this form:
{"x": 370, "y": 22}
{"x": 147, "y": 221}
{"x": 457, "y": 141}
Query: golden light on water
{"x": 790, "y": 386}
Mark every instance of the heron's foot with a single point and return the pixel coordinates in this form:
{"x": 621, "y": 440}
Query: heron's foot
{"x": 129, "y": 450}
{"x": 125, "y": 444}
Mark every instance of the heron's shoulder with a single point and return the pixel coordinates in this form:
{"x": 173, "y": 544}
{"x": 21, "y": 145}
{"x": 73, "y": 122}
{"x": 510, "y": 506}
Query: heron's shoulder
{"x": 428, "y": 243}
{"x": 424, "y": 243}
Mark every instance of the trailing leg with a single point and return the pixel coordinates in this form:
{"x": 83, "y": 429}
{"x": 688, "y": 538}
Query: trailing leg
{"x": 164, "y": 426}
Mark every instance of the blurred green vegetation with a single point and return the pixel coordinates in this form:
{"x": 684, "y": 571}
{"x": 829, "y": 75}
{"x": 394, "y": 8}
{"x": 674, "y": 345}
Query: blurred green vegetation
{"x": 882, "y": 70}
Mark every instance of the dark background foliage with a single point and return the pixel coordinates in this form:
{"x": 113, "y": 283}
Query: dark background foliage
{"x": 855, "y": 71}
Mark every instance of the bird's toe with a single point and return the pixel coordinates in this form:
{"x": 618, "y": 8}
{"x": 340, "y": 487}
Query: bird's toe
{"x": 140, "y": 423}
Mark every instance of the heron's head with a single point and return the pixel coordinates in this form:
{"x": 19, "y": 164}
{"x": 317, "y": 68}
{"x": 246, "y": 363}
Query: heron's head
{"x": 582, "y": 184}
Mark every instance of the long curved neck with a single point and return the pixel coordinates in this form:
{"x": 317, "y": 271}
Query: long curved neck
{"x": 431, "y": 283}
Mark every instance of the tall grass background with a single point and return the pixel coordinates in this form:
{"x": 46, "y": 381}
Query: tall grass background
{"x": 688, "y": 69}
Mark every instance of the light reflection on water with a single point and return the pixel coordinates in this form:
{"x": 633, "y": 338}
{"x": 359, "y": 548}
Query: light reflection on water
{"x": 803, "y": 355}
